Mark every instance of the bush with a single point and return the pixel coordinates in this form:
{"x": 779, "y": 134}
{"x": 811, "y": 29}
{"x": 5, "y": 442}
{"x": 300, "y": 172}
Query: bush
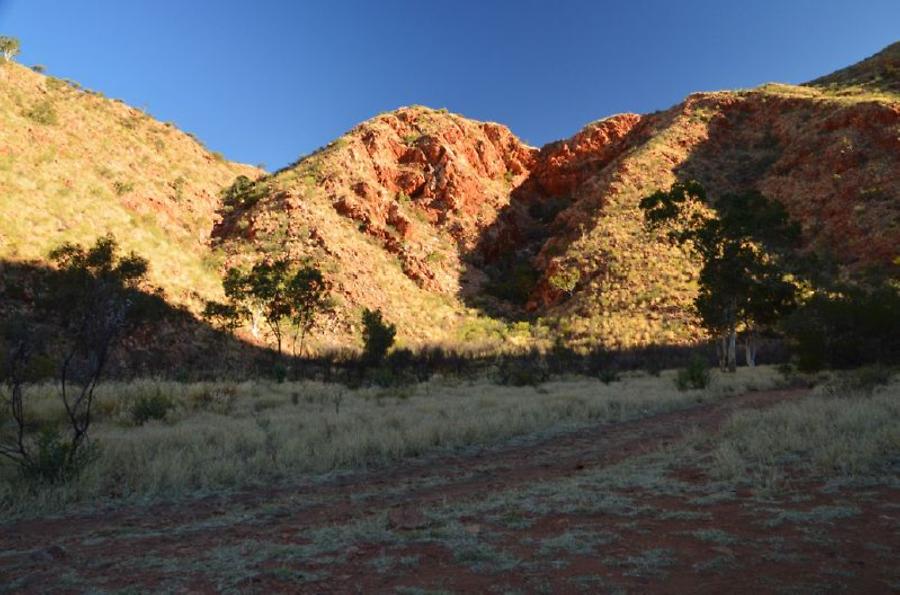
{"x": 244, "y": 192}
{"x": 378, "y": 336}
{"x": 522, "y": 372}
{"x": 858, "y": 327}
{"x": 150, "y": 407}
{"x": 609, "y": 375}
{"x": 54, "y": 460}
{"x": 43, "y": 113}
{"x": 695, "y": 375}
{"x": 280, "y": 372}
{"x": 122, "y": 188}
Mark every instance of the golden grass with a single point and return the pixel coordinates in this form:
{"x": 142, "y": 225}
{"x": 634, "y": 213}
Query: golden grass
{"x": 222, "y": 435}
{"x": 829, "y": 434}
{"x": 106, "y": 167}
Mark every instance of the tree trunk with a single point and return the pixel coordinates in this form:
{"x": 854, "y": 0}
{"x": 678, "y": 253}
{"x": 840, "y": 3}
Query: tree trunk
{"x": 732, "y": 345}
{"x": 750, "y": 347}
{"x": 722, "y": 351}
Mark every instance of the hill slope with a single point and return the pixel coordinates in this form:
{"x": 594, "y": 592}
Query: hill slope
{"x": 878, "y": 73}
{"x": 456, "y": 229}
{"x": 75, "y": 165}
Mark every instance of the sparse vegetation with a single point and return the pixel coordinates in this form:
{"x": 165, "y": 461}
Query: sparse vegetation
{"x": 226, "y": 434}
{"x": 44, "y": 113}
{"x": 9, "y": 48}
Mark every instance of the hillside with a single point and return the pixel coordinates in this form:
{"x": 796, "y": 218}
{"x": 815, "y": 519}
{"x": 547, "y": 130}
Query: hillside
{"x": 390, "y": 211}
{"x": 878, "y": 73}
{"x": 75, "y": 165}
{"x": 456, "y": 229}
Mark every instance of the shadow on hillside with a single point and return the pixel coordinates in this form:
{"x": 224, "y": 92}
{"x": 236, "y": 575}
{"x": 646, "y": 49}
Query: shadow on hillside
{"x": 546, "y": 213}
{"x": 177, "y": 346}
{"x": 174, "y": 345}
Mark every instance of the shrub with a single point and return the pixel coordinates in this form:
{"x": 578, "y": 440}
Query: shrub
{"x": 243, "y": 192}
{"x": 55, "y": 459}
{"x": 43, "y": 112}
{"x": 857, "y": 327}
{"x": 122, "y": 188}
{"x": 150, "y": 407}
{"x": 609, "y": 375}
{"x": 695, "y": 375}
{"x": 378, "y": 336}
{"x": 280, "y": 372}
{"x": 522, "y": 372}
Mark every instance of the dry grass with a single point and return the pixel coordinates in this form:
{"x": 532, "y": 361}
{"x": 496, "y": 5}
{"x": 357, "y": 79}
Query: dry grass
{"x": 825, "y": 435}
{"x": 220, "y": 435}
{"x": 100, "y": 167}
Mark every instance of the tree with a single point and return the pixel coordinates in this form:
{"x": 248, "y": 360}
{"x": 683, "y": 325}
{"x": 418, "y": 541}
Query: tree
{"x": 741, "y": 243}
{"x": 309, "y": 296}
{"x": 94, "y": 298}
{"x": 277, "y": 294}
{"x": 565, "y": 280}
{"x": 378, "y": 336}
{"x": 848, "y": 326}
{"x": 97, "y": 294}
{"x": 9, "y": 47}
{"x": 225, "y": 317}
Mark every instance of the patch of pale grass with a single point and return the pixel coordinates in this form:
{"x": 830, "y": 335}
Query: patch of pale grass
{"x": 824, "y": 435}
{"x": 226, "y": 435}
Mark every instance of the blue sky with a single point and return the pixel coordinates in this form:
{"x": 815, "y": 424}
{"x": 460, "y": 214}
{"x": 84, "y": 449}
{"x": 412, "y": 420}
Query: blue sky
{"x": 265, "y": 81}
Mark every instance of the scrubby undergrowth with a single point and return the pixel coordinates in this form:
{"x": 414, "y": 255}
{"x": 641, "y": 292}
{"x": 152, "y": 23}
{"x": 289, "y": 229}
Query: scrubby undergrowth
{"x": 215, "y": 436}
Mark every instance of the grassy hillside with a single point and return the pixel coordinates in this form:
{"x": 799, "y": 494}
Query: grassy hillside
{"x": 389, "y": 211}
{"x": 75, "y": 165}
{"x": 458, "y": 232}
{"x": 832, "y": 161}
{"x": 454, "y": 228}
{"x": 877, "y": 74}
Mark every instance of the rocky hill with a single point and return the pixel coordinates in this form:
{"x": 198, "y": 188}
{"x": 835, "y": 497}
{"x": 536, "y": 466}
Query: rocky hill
{"x": 458, "y": 231}
{"x": 75, "y": 165}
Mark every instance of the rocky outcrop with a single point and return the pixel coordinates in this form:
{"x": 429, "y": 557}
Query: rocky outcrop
{"x": 422, "y": 211}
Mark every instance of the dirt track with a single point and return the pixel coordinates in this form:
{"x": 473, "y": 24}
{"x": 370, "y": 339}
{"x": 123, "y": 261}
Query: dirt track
{"x": 539, "y": 516}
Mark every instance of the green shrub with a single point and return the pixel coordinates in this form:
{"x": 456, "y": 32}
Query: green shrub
{"x": 854, "y": 328}
{"x": 378, "y": 336}
{"x": 43, "y": 113}
{"x": 150, "y": 407}
{"x": 280, "y": 372}
{"x": 609, "y": 375}
{"x": 519, "y": 372}
{"x": 695, "y": 375}
{"x": 243, "y": 192}
{"x": 122, "y": 188}
{"x": 55, "y": 461}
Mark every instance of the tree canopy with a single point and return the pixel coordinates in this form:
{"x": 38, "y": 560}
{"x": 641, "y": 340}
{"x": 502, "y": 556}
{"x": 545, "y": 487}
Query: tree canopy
{"x": 741, "y": 240}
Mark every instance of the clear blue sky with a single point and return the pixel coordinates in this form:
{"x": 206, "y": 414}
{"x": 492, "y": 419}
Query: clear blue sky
{"x": 265, "y": 81}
